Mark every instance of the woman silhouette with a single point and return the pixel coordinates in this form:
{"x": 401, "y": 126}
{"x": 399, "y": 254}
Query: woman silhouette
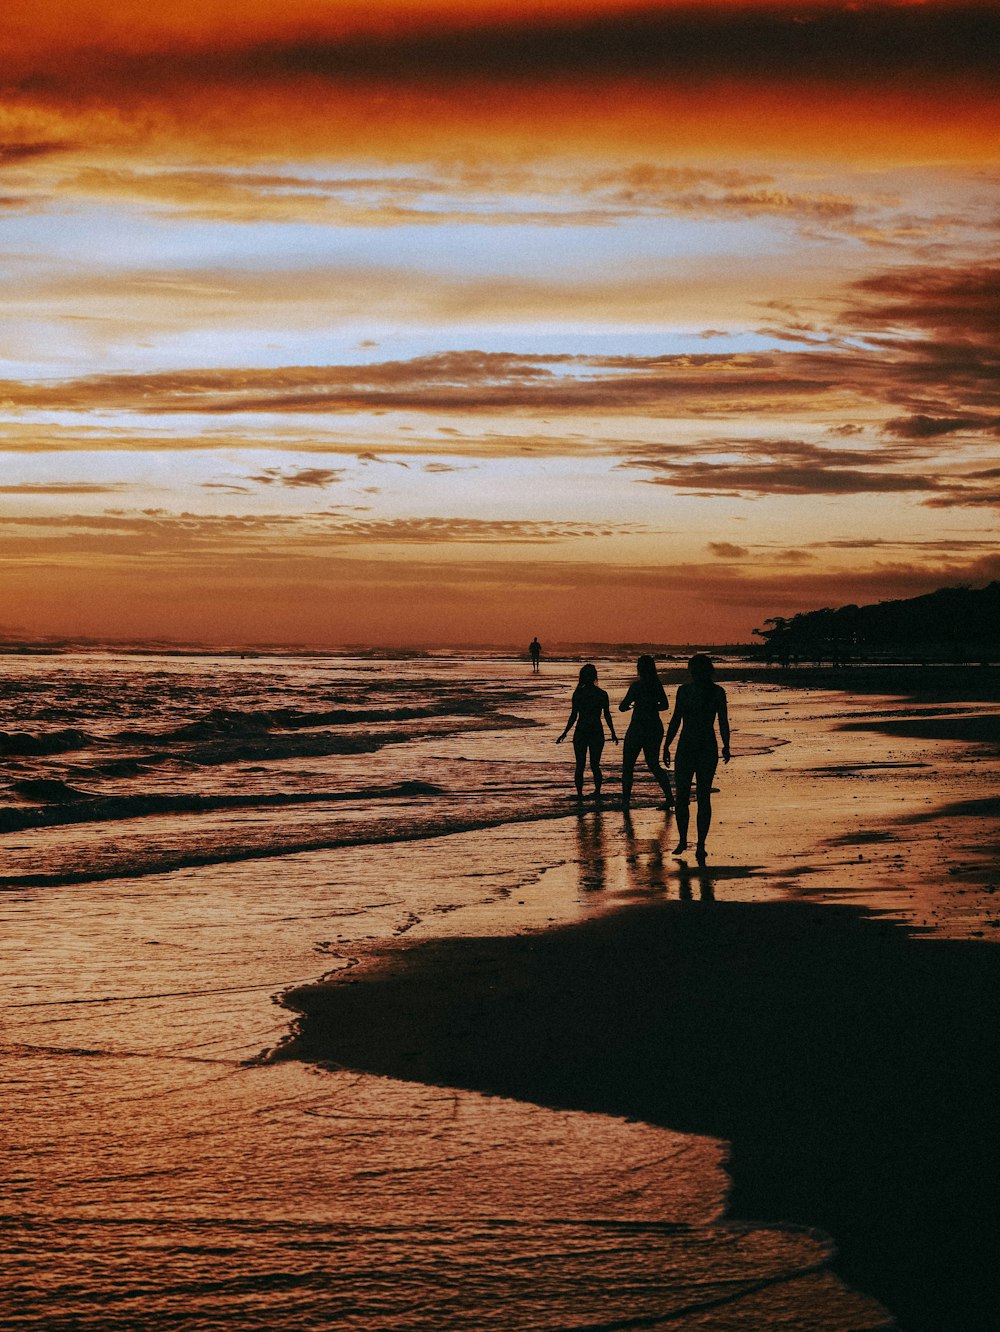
{"x": 590, "y": 704}
{"x": 699, "y": 704}
{"x": 646, "y": 700}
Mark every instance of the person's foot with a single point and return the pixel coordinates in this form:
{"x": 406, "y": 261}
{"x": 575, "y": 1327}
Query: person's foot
{"x": 700, "y": 852}
{"x": 680, "y": 848}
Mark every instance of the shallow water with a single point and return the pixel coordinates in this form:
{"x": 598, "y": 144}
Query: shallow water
{"x": 159, "y": 1174}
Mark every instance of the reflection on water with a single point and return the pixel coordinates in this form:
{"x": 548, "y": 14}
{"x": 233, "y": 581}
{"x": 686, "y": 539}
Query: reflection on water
{"x": 614, "y": 858}
{"x": 591, "y": 845}
{"x": 701, "y": 877}
{"x": 645, "y": 859}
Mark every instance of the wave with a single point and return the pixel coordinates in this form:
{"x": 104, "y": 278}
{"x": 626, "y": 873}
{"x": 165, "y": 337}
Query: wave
{"x": 244, "y": 748}
{"x": 44, "y": 742}
{"x": 226, "y": 722}
{"x": 254, "y": 743}
{"x": 232, "y": 724}
{"x": 363, "y": 833}
{"x": 212, "y": 745}
{"x": 49, "y": 790}
{"x": 70, "y": 805}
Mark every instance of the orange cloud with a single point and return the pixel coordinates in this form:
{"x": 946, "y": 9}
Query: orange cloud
{"x": 107, "y": 306}
{"x": 712, "y": 479}
{"x": 566, "y": 198}
{"x": 63, "y": 488}
{"x": 188, "y": 536}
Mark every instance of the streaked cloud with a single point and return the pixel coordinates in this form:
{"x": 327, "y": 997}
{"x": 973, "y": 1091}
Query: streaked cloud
{"x": 781, "y": 479}
{"x": 929, "y": 427}
{"x": 298, "y": 477}
{"x": 63, "y": 488}
{"x": 157, "y": 529}
{"x": 927, "y": 342}
{"x": 543, "y": 195}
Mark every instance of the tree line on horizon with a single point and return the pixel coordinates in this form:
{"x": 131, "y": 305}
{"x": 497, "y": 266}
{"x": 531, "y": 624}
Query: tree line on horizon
{"x": 952, "y": 624}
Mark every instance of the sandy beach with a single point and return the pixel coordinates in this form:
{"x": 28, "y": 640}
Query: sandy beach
{"x": 542, "y": 1074}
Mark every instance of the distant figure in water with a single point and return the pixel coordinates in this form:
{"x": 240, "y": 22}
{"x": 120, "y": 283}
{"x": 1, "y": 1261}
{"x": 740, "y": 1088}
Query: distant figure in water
{"x": 535, "y": 652}
{"x": 590, "y": 704}
{"x": 646, "y": 700}
{"x": 699, "y": 704}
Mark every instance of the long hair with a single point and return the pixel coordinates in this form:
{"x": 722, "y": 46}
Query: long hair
{"x": 588, "y": 674}
{"x": 646, "y": 668}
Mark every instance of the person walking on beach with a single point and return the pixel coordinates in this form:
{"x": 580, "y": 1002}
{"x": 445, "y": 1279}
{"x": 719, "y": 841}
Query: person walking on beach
{"x": 646, "y": 700}
{"x": 589, "y": 705}
{"x": 535, "y": 652}
{"x": 700, "y": 703}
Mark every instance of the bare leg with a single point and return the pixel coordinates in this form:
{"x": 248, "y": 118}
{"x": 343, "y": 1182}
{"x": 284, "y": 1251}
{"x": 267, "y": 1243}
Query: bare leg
{"x": 704, "y": 822}
{"x": 706, "y": 775}
{"x": 595, "y": 763}
{"x": 630, "y": 752}
{"x": 651, "y": 753}
{"x": 580, "y": 747}
{"x": 683, "y": 776}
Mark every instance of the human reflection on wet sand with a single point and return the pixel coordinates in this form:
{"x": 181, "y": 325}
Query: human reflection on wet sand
{"x": 645, "y": 860}
{"x": 649, "y": 870}
{"x": 701, "y": 875}
{"x": 591, "y": 845}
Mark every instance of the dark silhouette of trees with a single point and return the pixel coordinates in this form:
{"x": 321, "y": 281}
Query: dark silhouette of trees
{"x": 953, "y": 624}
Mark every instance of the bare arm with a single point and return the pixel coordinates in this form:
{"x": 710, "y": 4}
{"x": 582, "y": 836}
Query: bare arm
{"x": 607, "y": 716}
{"x": 628, "y": 700}
{"x": 574, "y": 713}
{"x": 724, "y": 725}
{"x": 675, "y": 723}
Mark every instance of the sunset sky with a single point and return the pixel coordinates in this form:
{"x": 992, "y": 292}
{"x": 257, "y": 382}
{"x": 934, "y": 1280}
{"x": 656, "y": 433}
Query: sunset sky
{"x": 414, "y": 322}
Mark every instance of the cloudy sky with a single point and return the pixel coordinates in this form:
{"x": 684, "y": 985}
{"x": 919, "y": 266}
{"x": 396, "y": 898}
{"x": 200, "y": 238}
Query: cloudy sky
{"x": 413, "y": 322}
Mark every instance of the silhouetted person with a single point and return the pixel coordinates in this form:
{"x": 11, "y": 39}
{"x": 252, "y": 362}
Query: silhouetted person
{"x": 646, "y": 700}
{"x": 535, "y": 653}
{"x": 699, "y": 704}
{"x": 590, "y": 704}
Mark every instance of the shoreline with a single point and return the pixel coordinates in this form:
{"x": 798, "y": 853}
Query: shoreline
{"x": 750, "y": 1022}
